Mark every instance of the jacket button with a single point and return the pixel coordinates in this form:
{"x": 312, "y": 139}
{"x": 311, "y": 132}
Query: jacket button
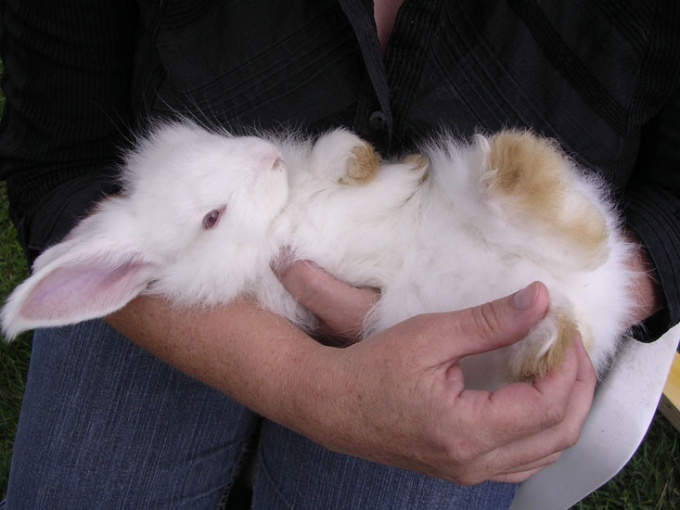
{"x": 377, "y": 121}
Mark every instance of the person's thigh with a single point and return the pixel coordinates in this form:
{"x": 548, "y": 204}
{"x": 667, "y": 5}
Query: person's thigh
{"x": 295, "y": 473}
{"x": 104, "y": 424}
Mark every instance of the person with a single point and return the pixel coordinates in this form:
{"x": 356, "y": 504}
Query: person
{"x": 153, "y": 407}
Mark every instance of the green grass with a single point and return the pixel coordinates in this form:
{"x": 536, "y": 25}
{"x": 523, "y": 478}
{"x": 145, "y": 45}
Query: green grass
{"x": 13, "y": 357}
{"x": 650, "y": 481}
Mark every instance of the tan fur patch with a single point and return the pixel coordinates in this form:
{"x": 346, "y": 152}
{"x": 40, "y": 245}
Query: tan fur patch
{"x": 364, "y": 165}
{"x": 587, "y": 229}
{"x": 536, "y": 365}
{"x": 419, "y": 162}
{"x": 532, "y": 172}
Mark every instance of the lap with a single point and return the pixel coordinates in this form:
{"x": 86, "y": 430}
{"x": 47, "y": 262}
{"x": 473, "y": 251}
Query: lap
{"x": 295, "y": 473}
{"x": 104, "y": 424}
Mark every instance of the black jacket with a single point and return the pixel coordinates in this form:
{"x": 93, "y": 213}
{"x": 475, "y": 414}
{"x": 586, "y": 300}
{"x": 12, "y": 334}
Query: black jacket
{"x": 600, "y": 76}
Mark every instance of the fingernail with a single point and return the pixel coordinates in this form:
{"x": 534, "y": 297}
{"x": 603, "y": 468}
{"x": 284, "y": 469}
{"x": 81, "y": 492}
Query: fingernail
{"x": 525, "y": 297}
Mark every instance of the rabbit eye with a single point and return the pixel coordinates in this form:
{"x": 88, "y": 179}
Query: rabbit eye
{"x": 211, "y": 219}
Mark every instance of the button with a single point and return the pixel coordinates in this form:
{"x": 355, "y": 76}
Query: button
{"x": 377, "y": 121}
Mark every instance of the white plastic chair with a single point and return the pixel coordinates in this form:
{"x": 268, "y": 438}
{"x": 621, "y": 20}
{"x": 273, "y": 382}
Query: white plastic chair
{"x": 622, "y": 411}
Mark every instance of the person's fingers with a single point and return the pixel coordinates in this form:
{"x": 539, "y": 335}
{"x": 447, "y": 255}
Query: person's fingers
{"x": 522, "y": 410}
{"x": 341, "y": 307}
{"x": 576, "y": 398}
{"x": 509, "y": 463}
{"x": 503, "y": 321}
{"x": 450, "y": 336}
{"x": 518, "y": 477}
{"x": 525, "y": 426}
{"x": 528, "y": 427}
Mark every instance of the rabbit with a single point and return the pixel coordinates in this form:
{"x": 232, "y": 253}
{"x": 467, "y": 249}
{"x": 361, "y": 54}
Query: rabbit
{"x": 202, "y": 215}
{"x": 191, "y": 223}
{"x": 459, "y": 224}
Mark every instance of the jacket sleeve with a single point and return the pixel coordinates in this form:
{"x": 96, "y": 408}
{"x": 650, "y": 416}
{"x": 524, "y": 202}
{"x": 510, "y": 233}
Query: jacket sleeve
{"x": 67, "y": 72}
{"x": 653, "y": 206}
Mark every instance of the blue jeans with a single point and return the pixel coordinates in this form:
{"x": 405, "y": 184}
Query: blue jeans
{"x": 105, "y": 425}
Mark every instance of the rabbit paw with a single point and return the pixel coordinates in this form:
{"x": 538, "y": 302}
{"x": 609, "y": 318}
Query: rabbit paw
{"x": 343, "y": 157}
{"x": 363, "y": 166}
{"x": 531, "y": 180}
{"x": 543, "y": 349}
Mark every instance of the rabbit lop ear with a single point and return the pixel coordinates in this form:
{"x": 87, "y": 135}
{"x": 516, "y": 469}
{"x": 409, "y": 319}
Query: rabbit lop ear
{"x": 87, "y": 279}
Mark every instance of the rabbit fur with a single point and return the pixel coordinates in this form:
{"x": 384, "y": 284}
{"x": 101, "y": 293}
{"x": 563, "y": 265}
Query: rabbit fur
{"x": 202, "y": 215}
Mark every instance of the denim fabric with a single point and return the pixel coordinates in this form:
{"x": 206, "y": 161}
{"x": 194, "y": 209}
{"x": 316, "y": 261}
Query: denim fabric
{"x": 105, "y": 425}
{"x": 295, "y": 473}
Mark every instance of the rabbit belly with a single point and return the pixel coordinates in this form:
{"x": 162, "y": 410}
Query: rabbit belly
{"x": 486, "y": 220}
{"x": 465, "y": 271}
{"x": 483, "y": 235}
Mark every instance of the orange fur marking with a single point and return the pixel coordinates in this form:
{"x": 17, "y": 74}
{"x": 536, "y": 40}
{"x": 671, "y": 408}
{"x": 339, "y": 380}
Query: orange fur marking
{"x": 419, "y": 162}
{"x": 536, "y": 365}
{"x": 532, "y": 172}
{"x": 364, "y": 165}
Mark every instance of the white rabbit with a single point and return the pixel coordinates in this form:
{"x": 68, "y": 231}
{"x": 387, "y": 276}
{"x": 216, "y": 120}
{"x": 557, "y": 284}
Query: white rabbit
{"x": 202, "y": 215}
{"x": 467, "y": 224}
{"x": 192, "y": 224}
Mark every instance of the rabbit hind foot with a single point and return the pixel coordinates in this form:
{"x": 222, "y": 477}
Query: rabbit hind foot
{"x": 542, "y": 351}
{"x": 533, "y": 179}
{"x": 340, "y": 156}
{"x": 363, "y": 165}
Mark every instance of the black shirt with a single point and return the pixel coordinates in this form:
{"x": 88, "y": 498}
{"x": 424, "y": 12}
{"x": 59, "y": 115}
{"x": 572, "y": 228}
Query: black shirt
{"x": 600, "y": 76}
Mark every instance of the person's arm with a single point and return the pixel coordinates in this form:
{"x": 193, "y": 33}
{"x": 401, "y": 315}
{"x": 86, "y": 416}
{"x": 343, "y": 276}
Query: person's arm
{"x": 396, "y": 398}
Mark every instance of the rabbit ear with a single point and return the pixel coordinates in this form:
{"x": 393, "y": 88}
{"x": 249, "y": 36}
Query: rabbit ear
{"x": 81, "y": 283}
{"x": 96, "y": 271}
{"x": 65, "y": 292}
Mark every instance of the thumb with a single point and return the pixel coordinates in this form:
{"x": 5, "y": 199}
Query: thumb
{"x": 502, "y": 322}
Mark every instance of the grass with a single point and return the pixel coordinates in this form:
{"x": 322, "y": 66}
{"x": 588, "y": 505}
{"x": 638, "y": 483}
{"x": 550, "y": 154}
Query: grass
{"x": 13, "y": 357}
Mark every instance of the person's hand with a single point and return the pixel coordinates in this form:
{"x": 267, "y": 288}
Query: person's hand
{"x": 400, "y": 397}
{"x": 397, "y": 398}
{"x": 647, "y": 291}
{"x": 340, "y": 308}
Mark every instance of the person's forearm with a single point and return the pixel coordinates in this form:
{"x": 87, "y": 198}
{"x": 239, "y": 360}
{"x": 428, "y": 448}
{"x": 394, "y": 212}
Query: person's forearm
{"x": 242, "y": 350}
{"x": 397, "y": 397}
